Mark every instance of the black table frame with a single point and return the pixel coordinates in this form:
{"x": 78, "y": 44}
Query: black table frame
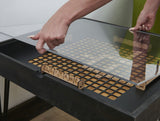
{"x": 3, "y": 115}
{"x": 0, "y": 108}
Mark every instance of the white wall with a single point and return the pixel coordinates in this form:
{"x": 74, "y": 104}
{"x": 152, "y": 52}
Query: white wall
{"x": 26, "y": 12}
{"x": 17, "y": 12}
{"x": 117, "y": 12}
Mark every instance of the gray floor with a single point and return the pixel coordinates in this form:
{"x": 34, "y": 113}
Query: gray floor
{"x": 54, "y": 114}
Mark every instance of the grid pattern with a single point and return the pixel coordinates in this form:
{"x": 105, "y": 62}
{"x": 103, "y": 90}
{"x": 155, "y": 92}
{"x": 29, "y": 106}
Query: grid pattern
{"x": 149, "y": 58}
{"x": 99, "y": 54}
{"x": 104, "y": 84}
{"x": 109, "y": 56}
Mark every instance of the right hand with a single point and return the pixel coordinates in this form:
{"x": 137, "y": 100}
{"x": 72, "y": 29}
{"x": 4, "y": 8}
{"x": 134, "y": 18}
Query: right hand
{"x": 53, "y": 33}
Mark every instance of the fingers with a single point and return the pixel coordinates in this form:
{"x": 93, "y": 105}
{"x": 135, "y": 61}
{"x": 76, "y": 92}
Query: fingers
{"x": 40, "y": 45}
{"x": 51, "y": 45}
{"x": 134, "y": 28}
{"x": 140, "y": 28}
{"x": 34, "y": 37}
{"x": 147, "y": 28}
{"x": 144, "y": 28}
{"x": 51, "y": 42}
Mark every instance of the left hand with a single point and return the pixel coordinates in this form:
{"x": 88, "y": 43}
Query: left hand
{"x": 145, "y": 21}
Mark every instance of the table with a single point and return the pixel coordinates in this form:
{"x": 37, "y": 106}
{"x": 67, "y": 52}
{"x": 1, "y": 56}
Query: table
{"x": 7, "y": 33}
{"x": 110, "y": 60}
{"x": 4, "y": 37}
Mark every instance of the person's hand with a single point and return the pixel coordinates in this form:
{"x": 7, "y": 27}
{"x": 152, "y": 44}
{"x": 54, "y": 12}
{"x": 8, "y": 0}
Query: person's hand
{"x": 53, "y": 33}
{"x": 145, "y": 21}
{"x": 56, "y": 28}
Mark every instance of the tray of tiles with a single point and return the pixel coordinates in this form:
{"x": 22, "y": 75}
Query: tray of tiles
{"x": 107, "y": 73}
{"x": 106, "y": 59}
{"x": 102, "y": 83}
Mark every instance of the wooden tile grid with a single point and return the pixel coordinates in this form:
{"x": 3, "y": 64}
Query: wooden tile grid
{"x": 108, "y": 56}
{"x": 99, "y": 82}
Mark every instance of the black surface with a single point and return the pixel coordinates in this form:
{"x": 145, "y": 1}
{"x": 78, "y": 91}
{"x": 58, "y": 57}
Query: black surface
{"x": 135, "y": 105}
{"x": 6, "y": 97}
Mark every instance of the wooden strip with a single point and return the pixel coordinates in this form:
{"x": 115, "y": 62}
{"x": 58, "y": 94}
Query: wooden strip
{"x": 70, "y": 78}
{"x": 142, "y": 85}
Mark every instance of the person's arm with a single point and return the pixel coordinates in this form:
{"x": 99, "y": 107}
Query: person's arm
{"x": 57, "y": 26}
{"x": 147, "y": 16}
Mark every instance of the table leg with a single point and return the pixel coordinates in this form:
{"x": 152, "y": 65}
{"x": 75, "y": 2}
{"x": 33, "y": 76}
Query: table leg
{"x": 6, "y": 97}
{"x": 0, "y": 109}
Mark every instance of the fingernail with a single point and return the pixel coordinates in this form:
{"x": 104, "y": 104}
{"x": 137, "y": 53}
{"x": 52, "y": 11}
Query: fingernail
{"x": 131, "y": 29}
{"x": 31, "y": 36}
{"x": 42, "y": 51}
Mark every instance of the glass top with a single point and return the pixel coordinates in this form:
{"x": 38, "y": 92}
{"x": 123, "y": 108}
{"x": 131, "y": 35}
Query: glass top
{"x": 4, "y": 37}
{"x": 113, "y": 49}
{"x": 110, "y": 48}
